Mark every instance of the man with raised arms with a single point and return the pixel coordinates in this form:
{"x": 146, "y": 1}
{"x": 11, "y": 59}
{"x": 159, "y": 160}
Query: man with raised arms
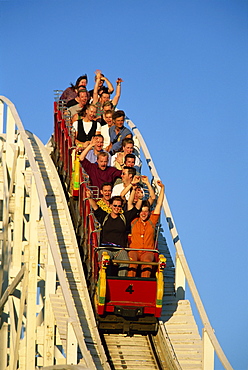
{"x": 114, "y": 229}
{"x": 98, "y": 172}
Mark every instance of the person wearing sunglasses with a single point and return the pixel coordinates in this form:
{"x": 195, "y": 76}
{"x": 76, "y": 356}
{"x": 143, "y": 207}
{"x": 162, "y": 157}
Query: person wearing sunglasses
{"x": 114, "y": 228}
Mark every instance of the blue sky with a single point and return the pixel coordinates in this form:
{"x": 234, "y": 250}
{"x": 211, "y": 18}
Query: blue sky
{"x": 184, "y": 66}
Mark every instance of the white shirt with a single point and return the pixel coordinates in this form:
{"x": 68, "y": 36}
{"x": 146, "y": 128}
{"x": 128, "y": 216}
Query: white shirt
{"x": 87, "y": 126}
{"x": 117, "y": 189}
{"x": 105, "y": 134}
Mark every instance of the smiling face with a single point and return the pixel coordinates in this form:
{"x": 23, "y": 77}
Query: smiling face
{"x": 128, "y": 148}
{"x": 138, "y": 194}
{"x": 102, "y": 162}
{"x": 90, "y": 113}
{"x": 99, "y": 144}
{"x": 125, "y": 176}
{"x": 82, "y": 83}
{"x": 119, "y": 122}
{"x": 116, "y": 207}
{"x": 83, "y": 97}
{"x": 104, "y": 97}
{"x": 144, "y": 213}
{"x": 106, "y": 192}
{"x": 130, "y": 162}
{"x": 108, "y": 119}
{"x": 107, "y": 106}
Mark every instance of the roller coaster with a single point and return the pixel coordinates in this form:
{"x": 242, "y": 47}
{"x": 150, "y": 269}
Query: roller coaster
{"x": 47, "y": 318}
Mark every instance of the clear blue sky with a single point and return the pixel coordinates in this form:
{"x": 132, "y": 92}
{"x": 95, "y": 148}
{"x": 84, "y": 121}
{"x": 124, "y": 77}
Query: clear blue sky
{"x": 184, "y": 66}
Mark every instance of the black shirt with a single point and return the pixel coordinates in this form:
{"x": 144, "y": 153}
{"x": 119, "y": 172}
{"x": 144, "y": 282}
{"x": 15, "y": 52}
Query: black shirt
{"x": 114, "y": 230}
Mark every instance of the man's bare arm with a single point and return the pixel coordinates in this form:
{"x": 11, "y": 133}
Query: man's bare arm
{"x": 91, "y": 200}
{"x": 157, "y": 209}
{"x": 87, "y": 149}
{"x": 96, "y": 87}
{"x": 152, "y": 195}
{"x": 116, "y": 98}
{"x": 109, "y": 84}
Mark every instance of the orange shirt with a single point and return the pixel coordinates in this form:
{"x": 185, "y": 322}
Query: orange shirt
{"x": 143, "y": 233}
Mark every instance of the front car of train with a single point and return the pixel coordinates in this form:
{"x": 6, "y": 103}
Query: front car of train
{"x": 126, "y": 304}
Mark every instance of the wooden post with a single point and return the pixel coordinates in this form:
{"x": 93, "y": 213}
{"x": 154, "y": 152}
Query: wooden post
{"x": 179, "y": 280}
{"x": 49, "y": 322}
{"x": 71, "y": 345}
{"x": 3, "y": 345}
{"x": 10, "y": 139}
{"x": 18, "y": 214}
{"x": 208, "y": 352}
{"x": 32, "y": 281}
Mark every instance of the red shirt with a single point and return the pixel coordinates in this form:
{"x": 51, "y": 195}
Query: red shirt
{"x": 98, "y": 176}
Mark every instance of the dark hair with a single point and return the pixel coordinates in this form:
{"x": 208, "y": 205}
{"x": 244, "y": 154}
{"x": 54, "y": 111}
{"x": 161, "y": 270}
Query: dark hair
{"x": 106, "y": 184}
{"x": 145, "y": 203}
{"x": 130, "y": 155}
{"x": 84, "y": 77}
{"x": 131, "y": 170}
{"x": 116, "y": 197}
{"x": 99, "y": 135}
{"x": 82, "y": 89}
{"x": 118, "y": 113}
{"x": 104, "y": 92}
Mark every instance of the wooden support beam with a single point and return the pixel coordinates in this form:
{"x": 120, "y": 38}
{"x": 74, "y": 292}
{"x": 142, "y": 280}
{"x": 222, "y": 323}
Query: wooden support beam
{"x": 3, "y": 345}
{"x": 208, "y": 352}
{"x": 12, "y": 287}
{"x": 49, "y": 321}
{"x": 71, "y": 345}
{"x": 180, "y": 280}
{"x": 32, "y": 254}
{"x": 20, "y": 319}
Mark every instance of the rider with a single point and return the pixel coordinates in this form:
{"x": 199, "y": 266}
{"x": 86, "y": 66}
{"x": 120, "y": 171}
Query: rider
{"x": 143, "y": 235}
{"x": 114, "y": 228}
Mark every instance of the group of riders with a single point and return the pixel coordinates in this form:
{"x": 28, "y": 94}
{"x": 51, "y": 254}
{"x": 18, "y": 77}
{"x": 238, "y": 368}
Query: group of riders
{"x": 106, "y": 152}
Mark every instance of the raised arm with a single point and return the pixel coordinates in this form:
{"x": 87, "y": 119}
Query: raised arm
{"x": 74, "y": 118}
{"x": 109, "y": 84}
{"x": 96, "y": 87}
{"x": 130, "y": 201}
{"x": 91, "y": 200}
{"x": 119, "y": 161}
{"x": 152, "y": 195}
{"x": 116, "y": 98}
{"x": 87, "y": 149}
{"x": 133, "y": 186}
{"x": 125, "y": 191}
{"x": 157, "y": 209}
